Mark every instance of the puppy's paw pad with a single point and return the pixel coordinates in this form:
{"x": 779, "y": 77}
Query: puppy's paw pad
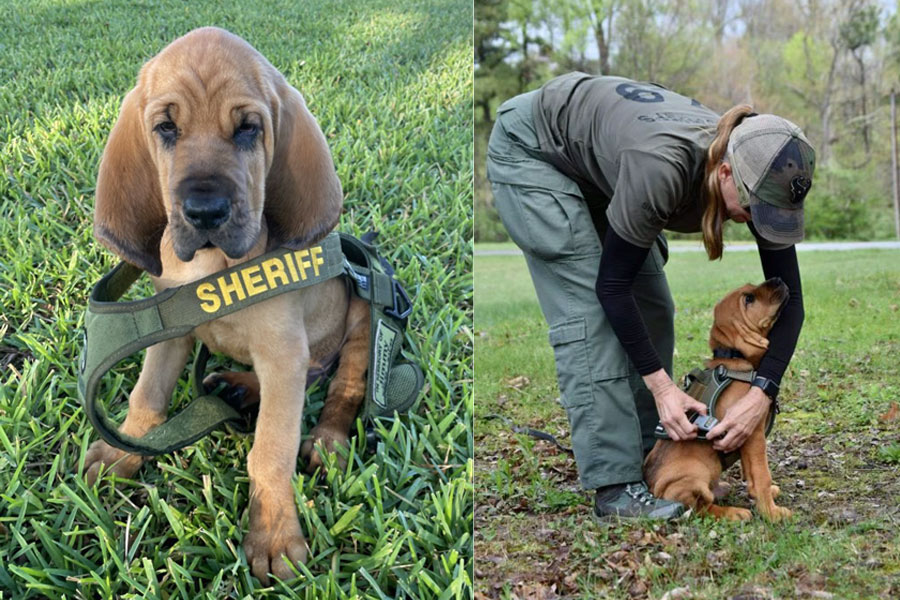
{"x": 100, "y": 454}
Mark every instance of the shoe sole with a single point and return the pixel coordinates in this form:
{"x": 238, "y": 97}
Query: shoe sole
{"x": 614, "y": 519}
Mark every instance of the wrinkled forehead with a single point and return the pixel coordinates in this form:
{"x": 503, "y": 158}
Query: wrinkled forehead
{"x": 205, "y": 81}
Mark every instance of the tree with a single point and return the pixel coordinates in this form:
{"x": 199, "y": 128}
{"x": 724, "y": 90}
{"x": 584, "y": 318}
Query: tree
{"x": 856, "y": 33}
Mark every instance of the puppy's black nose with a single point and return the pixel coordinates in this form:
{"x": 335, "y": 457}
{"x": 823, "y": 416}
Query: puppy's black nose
{"x": 774, "y": 282}
{"x": 206, "y": 204}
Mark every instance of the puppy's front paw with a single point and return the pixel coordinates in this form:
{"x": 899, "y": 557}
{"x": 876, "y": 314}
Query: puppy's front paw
{"x": 327, "y": 437}
{"x": 776, "y": 513}
{"x": 274, "y": 535}
{"x": 116, "y": 461}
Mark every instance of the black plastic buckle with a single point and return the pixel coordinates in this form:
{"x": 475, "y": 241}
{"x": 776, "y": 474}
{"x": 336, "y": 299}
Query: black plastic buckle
{"x": 399, "y": 293}
{"x": 704, "y": 424}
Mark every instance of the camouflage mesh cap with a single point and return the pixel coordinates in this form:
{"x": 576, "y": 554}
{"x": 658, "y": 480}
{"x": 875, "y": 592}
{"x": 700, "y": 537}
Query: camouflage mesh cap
{"x": 773, "y": 164}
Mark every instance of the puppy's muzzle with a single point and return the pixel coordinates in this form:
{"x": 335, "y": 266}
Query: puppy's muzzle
{"x": 779, "y": 288}
{"x": 205, "y": 203}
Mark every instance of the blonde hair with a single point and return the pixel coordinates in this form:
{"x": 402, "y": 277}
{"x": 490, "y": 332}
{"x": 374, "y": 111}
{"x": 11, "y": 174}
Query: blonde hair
{"x": 714, "y": 214}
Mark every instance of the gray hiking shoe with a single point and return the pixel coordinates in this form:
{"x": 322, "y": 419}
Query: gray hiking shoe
{"x": 634, "y": 500}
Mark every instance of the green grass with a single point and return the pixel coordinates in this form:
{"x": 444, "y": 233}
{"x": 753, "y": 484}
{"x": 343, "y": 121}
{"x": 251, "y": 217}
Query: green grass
{"x": 834, "y": 458}
{"x": 391, "y": 86}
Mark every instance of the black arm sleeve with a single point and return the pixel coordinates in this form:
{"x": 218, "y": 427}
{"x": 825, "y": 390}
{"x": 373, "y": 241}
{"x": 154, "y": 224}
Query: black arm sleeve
{"x": 619, "y": 265}
{"x": 784, "y": 334}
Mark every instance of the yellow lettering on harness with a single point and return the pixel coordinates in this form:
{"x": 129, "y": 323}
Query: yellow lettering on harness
{"x": 210, "y": 302}
{"x": 316, "y": 253}
{"x": 253, "y": 281}
{"x": 256, "y": 279}
{"x": 303, "y": 263}
{"x": 235, "y": 287}
{"x": 289, "y": 260}
{"x": 274, "y": 269}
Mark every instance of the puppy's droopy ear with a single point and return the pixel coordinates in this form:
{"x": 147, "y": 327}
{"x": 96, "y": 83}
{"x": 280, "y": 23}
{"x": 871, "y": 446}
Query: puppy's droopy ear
{"x": 129, "y": 215}
{"x": 303, "y": 194}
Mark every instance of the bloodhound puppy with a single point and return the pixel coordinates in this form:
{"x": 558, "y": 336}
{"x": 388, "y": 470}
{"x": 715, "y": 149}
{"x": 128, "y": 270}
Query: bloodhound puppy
{"x": 688, "y": 471}
{"x": 214, "y": 160}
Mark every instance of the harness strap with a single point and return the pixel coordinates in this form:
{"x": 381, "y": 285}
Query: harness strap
{"x": 392, "y": 386}
{"x": 115, "y": 330}
{"x": 706, "y": 386}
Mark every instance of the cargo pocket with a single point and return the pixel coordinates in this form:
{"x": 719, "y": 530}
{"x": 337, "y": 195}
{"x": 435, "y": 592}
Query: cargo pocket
{"x": 572, "y": 369}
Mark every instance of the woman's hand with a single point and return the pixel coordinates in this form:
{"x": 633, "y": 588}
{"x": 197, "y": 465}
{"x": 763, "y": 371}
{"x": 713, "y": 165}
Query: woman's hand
{"x": 740, "y": 420}
{"x": 672, "y": 404}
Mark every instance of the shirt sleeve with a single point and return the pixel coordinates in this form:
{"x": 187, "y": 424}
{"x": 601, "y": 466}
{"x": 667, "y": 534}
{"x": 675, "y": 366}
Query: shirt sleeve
{"x": 784, "y": 334}
{"x": 619, "y": 265}
{"x": 648, "y": 188}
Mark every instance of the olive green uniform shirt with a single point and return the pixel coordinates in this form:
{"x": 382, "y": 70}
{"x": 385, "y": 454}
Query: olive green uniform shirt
{"x": 638, "y": 149}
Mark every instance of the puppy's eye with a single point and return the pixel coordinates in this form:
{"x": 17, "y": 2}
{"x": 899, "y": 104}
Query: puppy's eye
{"x": 245, "y": 135}
{"x": 749, "y": 299}
{"x": 167, "y": 131}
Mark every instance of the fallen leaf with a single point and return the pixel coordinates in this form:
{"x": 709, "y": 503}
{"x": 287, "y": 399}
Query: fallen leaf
{"x": 518, "y": 382}
{"x": 891, "y": 415}
{"x": 754, "y": 593}
{"x": 663, "y": 556}
{"x": 637, "y": 589}
{"x": 679, "y": 593}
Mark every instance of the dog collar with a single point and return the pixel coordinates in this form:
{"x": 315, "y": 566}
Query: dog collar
{"x": 727, "y": 353}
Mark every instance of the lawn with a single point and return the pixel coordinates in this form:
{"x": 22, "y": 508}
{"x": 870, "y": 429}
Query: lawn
{"x": 391, "y": 86}
{"x": 835, "y": 450}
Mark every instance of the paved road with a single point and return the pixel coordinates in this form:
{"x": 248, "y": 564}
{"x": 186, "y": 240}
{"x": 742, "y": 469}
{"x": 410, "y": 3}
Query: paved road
{"x": 802, "y": 247}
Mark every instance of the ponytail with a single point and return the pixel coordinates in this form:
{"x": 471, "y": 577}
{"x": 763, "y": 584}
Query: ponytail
{"x": 714, "y": 214}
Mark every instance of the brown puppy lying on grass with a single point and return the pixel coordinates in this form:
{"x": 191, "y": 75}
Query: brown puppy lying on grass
{"x": 688, "y": 471}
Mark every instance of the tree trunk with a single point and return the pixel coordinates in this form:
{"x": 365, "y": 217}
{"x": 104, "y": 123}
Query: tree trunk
{"x": 865, "y": 113}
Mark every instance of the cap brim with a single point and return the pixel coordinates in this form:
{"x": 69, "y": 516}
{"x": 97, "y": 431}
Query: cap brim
{"x": 778, "y": 225}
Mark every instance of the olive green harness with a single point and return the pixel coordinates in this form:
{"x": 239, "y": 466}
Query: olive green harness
{"x": 115, "y": 330}
{"x": 706, "y": 386}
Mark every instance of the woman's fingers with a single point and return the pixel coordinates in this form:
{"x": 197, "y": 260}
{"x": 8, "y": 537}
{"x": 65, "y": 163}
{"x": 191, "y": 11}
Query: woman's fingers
{"x": 696, "y": 406}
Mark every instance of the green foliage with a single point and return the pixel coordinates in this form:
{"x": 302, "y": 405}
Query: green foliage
{"x": 861, "y": 28}
{"x": 845, "y": 204}
{"x": 890, "y": 454}
{"x": 391, "y": 86}
{"x": 488, "y": 226}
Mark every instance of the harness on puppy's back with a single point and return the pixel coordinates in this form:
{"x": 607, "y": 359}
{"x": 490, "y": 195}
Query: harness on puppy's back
{"x": 706, "y": 386}
{"x": 115, "y": 330}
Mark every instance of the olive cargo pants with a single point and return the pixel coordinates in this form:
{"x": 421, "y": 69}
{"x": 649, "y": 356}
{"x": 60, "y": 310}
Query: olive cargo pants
{"x": 611, "y": 413}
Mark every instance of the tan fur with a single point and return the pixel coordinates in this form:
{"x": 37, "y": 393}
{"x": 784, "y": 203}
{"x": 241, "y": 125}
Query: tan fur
{"x": 689, "y": 471}
{"x": 284, "y": 191}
